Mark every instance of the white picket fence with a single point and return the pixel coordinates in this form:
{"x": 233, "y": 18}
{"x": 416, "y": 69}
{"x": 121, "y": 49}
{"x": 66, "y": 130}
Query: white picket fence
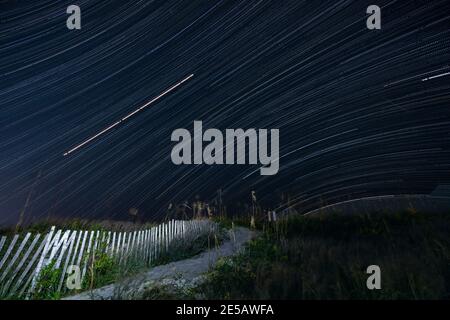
{"x": 23, "y": 257}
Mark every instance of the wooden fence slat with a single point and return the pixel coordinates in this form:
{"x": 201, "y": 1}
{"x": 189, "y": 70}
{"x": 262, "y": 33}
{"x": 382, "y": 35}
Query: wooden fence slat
{"x": 173, "y": 229}
{"x": 96, "y": 242}
{"x": 135, "y": 244}
{"x": 147, "y": 245}
{"x": 2, "y": 242}
{"x": 138, "y": 244}
{"x": 166, "y": 236}
{"x": 53, "y": 247}
{"x": 112, "y": 243}
{"x": 143, "y": 246}
{"x": 150, "y": 249}
{"x": 132, "y": 245}
{"x": 156, "y": 247}
{"x": 176, "y": 228}
{"x": 41, "y": 263}
{"x": 158, "y": 240}
{"x": 75, "y": 251}
{"x": 63, "y": 244}
{"x": 118, "y": 243}
{"x": 129, "y": 245}
{"x": 8, "y": 251}
{"x": 78, "y": 247}
{"x": 123, "y": 247}
{"x": 169, "y": 235}
{"x": 14, "y": 258}
{"x": 29, "y": 267}
{"x": 88, "y": 252}
{"x": 126, "y": 245}
{"x": 108, "y": 242}
{"x": 66, "y": 264}
{"x": 163, "y": 238}
{"x": 21, "y": 263}
{"x": 83, "y": 243}
{"x": 153, "y": 244}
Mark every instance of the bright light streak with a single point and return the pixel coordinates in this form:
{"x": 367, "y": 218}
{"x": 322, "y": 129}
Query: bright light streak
{"x": 436, "y": 76}
{"x": 128, "y": 115}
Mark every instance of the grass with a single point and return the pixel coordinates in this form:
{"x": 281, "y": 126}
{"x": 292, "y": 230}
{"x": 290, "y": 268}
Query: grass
{"x": 47, "y": 283}
{"x": 169, "y": 289}
{"x": 180, "y": 250}
{"x": 326, "y": 257}
{"x": 174, "y": 288}
{"x": 103, "y": 269}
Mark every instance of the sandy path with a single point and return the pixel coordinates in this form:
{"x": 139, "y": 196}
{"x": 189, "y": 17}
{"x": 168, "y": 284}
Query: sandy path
{"x": 188, "y": 270}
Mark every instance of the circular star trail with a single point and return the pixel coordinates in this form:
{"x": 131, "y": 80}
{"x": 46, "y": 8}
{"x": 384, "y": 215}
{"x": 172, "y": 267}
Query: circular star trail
{"x": 360, "y": 112}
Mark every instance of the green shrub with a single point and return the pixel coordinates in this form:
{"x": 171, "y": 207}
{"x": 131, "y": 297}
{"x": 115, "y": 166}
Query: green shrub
{"x": 103, "y": 270}
{"x": 326, "y": 257}
{"x": 182, "y": 249}
{"x": 47, "y": 283}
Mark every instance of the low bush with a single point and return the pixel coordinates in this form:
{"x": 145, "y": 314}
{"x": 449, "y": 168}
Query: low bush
{"x": 327, "y": 257}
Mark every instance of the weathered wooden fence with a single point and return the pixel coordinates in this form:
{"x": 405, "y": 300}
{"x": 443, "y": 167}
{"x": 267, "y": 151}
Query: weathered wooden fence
{"x": 24, "y": 256}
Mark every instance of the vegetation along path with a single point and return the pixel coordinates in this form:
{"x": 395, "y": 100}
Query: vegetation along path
{"x": 183, "y": 273}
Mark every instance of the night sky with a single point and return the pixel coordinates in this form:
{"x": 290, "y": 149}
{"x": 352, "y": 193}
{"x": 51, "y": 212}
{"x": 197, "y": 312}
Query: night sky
{"x": 360, "y": 112}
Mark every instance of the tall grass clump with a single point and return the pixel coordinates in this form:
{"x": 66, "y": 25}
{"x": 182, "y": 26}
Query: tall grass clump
{"x": 326, "y": 257}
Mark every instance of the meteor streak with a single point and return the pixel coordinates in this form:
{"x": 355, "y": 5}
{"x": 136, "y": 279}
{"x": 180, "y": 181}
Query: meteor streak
{"x": 436, "y": 76}
{"x": 128, "y": 115}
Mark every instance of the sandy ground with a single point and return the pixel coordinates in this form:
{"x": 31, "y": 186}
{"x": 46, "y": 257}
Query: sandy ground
{"x": 183, "y": 271}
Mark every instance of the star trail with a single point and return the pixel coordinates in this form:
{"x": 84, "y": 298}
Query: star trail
{"x": 360, "y": 112}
